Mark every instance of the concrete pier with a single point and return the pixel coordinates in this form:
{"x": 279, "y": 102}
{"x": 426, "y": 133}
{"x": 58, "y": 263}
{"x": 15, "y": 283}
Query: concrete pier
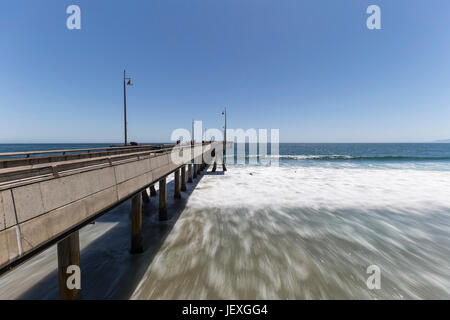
{"x": 183, "y": 178}
{"x": 69, "y": 272}
{"x": 136, "y": 224}
{"x": 177, "y": 193}
{"x": 45, "y": 198}
{"x": 162, "y": 200}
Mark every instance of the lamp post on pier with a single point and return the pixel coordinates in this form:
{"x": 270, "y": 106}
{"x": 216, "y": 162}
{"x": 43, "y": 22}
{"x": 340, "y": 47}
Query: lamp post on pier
{"x": 192, "y": 133}
{"x": 125, "y": 84}
{"x": 224, "y": 113}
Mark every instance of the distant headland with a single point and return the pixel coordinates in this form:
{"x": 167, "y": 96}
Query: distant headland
{"x": 442, "y": 141}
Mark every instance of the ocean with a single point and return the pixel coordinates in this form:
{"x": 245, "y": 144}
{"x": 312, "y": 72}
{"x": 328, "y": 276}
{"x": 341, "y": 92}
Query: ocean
{"x": 306, "y": 228}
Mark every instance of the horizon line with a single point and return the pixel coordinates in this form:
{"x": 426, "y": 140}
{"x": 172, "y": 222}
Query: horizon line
{"x": 171, "y": 142}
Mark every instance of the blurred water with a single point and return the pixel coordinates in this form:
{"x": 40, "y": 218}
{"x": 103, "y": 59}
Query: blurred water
{"x": 308, "y": 233}
{"x": 426, "y": 156}
{"x": 307, "y": 229}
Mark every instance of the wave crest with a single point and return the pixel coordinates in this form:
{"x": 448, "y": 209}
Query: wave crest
{"x": 348, "y": 157}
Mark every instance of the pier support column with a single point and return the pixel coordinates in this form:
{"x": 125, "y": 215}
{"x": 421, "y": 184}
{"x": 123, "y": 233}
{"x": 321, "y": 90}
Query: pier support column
{"x": 199, "y": 168}
{"x": 152, "y": 191}
{"x": 203, "y": 162}
{"x": 136, "y": 224}
{"x": 69, "y": 273}
{"x": 162, "y": 200}
{"x": 213, "y": 154}
{"x": 190, "y": 172}
{"x": 145, "y": 197}
{"x": 183, "y": 178}
{"x": 224, "y": 168}
{"x": 195, "y": 170}
{"x": 177, "y": 194}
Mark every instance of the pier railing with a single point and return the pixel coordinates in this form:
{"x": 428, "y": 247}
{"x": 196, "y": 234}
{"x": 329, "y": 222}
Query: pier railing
{"x": 18, "y": 159}
{"x": 49, "y": 166}
{"x": 28, "y": 154}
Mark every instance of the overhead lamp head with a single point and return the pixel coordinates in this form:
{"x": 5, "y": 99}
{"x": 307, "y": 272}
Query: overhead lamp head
{"x": 129, "y": 83}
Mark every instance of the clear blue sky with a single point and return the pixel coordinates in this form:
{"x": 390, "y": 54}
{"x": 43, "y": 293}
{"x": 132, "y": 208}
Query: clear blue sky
{"x": 308, "y": 67}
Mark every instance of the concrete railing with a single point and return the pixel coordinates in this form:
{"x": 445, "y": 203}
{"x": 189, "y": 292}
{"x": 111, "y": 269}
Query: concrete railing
{"x": 27, "y": 154}
{"x": 17, "y": 159}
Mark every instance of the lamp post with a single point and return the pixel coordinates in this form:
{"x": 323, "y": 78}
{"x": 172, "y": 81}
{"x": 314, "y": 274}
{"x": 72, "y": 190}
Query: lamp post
{"x": 192, "y": 140}
{"x": 125, "y": 84}
{"x": 224, "y": 113}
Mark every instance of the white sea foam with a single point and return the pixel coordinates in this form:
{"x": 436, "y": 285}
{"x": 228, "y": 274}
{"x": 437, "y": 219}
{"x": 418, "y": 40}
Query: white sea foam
{"x": 414, "y": 191}
{"x": 301, "y": 233}
{"x": 339, "y": 157}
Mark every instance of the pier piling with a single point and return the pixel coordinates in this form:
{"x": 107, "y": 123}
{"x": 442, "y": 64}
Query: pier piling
{"x": 152, "y": 191}
{"x": 145, "y": 197}
{"x": 195, "y": 170}
{"x": 162, "y": 200}
{"x": 213, "y": 154}
{"x": 136, "y": 223}
{"x": 177, "y": 194}
{"x": 69, "y": 276}
{"x": 190, "y": 172}
{"x": 203, "y": 163}
{"x": 183, "y": 178}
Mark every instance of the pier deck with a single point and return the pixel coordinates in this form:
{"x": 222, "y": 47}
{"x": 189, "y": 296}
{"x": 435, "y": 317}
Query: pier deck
{"x": 46, "y": 199}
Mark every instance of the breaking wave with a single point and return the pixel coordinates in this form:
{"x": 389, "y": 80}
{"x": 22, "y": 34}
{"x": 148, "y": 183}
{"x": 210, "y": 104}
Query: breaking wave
{"x": 348, "y": 157}
{"x": 307, "y": 233}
